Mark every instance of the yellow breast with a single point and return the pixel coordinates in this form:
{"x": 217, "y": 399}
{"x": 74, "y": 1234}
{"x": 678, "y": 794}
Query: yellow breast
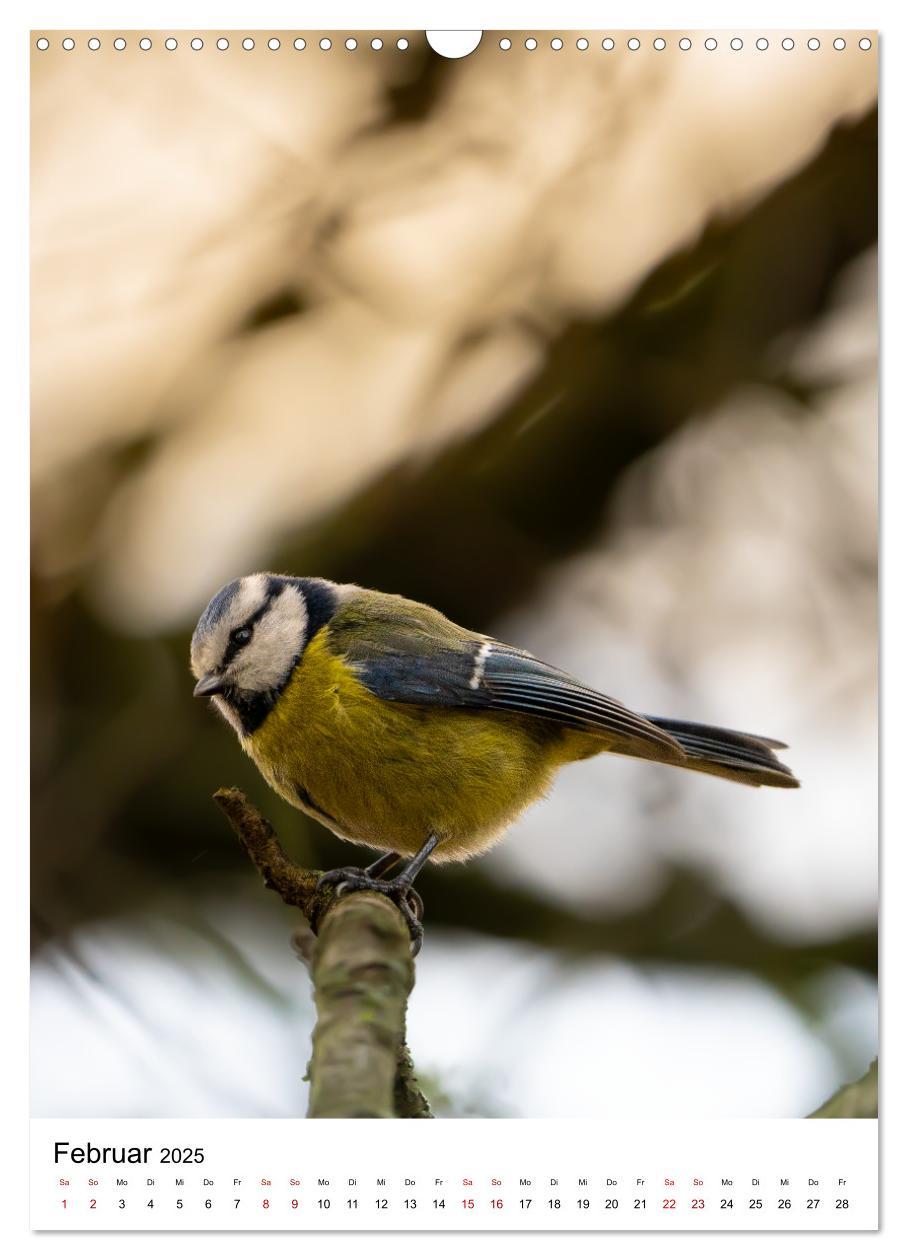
{"x": 388, "y": 775}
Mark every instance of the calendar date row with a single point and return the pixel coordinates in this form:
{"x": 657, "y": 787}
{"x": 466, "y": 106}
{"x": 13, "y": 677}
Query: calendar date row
{"x": 523, "y": 1204}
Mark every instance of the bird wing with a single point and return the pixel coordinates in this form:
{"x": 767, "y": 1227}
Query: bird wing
{"x": 410, "y": 654}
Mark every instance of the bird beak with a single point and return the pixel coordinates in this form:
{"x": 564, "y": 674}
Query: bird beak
{"x": 209, "y": 685}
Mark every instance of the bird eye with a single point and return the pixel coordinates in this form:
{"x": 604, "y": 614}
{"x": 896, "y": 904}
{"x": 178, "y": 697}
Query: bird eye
{"x": 241, "y": 635}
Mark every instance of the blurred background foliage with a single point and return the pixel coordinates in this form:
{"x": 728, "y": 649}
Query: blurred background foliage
{"x": 583, "y": 353}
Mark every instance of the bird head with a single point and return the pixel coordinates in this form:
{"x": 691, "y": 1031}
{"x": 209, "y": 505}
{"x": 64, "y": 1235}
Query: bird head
{"x": 246, "y": 644}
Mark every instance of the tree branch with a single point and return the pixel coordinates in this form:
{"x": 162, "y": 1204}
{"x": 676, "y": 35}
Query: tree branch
{"x": 296, "y": 886}
{"x": 409, "y": 1101}
{"x": 362, "y": 972}
{"x": 856, "y": 1101}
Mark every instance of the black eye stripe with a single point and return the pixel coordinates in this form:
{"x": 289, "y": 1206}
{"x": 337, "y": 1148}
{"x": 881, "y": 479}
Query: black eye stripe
{"x": 233, "y": 643}
{"x": 232, "y": 648}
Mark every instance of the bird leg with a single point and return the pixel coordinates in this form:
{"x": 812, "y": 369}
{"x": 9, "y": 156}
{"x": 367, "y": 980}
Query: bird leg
{"x": 383, "y": 864}
{"x": 374, "y": 870}
{"x": 400, "y": 889}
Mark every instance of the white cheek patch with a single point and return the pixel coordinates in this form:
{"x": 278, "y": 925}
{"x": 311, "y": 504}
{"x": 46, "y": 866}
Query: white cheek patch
{"x": 208, "y": 654}
{"x": 277, "y": 641}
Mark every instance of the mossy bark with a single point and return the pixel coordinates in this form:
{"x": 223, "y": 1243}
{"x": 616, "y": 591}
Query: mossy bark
{"x": 410, "y": 1103}
{"x": 363, "y": 972}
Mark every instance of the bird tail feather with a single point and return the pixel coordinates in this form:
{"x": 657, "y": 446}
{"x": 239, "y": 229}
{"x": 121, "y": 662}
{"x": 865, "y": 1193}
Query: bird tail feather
{"x": 729, "y": 754}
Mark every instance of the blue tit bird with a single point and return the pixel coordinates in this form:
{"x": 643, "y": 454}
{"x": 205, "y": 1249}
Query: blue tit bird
{"x": 401, "y": 731}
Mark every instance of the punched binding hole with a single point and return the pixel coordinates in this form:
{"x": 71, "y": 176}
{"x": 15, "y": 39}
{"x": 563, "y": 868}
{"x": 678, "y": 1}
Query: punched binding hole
{"x": 453, "y": 44}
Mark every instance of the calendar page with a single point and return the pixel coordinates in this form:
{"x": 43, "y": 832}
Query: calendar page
{"x": 454, "y": 558}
